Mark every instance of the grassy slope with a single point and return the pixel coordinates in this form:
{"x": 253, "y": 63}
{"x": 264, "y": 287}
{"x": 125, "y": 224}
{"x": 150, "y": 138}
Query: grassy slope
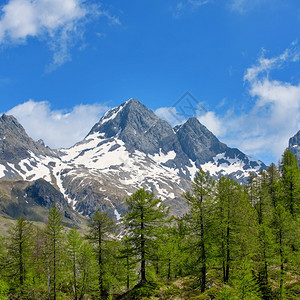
{"x": 13, "y": 205}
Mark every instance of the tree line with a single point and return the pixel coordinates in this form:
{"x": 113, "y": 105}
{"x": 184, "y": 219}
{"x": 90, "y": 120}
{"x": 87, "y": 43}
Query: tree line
{"x": 236, "y": 242}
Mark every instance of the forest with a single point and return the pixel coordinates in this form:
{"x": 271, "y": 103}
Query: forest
{"x": 236, "y": 242}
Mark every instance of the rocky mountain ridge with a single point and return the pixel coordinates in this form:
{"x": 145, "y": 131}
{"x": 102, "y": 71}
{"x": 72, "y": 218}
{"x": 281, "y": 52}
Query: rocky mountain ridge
{"x": 294, "y": 145}
{"x": 129, "y": 148}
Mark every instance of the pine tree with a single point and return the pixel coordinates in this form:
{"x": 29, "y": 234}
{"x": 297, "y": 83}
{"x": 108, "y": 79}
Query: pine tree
{"x": 73, "y": 252}
{"x": 226, "y": 205}
{"x": 128, "y": 260}
{"x": 54, "y": 236}
{"x": 201, "y": 204}
{"x": 87, "y": 268}
{"x": 235, "y": 224}
{"x": 19, "y": 251}
{"x": 144, "y": 217}
{"x": 182, "y": 245}
{"x": 40, "y": 260}
{"x": 291, "y": 182}
{"x": 281, "y": 225}
{"x": 245, "y": 286}
{"x": 260, "y": 201}
{"x": 101, "y": 230}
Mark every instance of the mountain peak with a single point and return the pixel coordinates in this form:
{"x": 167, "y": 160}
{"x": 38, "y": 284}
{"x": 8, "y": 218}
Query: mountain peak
{"x": 198, "y": 142}
{"x": 136, "y": 125}
{"x": 295, "y": 140}
{"x": 294, "y": 144}
{"x": 15, "y": 144}
{"x": 11, "y": 128}
{"x": 132, "y": 101}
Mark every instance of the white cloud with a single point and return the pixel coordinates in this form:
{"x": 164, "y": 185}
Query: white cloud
{"x": 265, "y": 65}
{"x": 168, "y": 114}
{"x": 275, "y": 114}
{"x": 56, "y": 127}
{"x": 59, "y": 22}
{"x": 243, "y": 6}
{"x": 239, "y": 6}
{"x": 188, "y": 4}
{"x": 273, "y": 117}
{"x": 213, "y": 123}
{"x": 209, "y": 119}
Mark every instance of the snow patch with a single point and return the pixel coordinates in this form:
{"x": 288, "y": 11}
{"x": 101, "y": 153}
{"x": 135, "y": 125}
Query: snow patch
{"x": 193, "y": 169}
{"x": 228, "y": 166}
{"x": 2, "y": 169}
{"x": 113, "y": 113}
{"x": 117, "y": 215}
{"x": 163, "y": 158}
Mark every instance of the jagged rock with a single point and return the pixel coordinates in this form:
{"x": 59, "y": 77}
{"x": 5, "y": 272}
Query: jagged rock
{"x": 15, "y": 144}
{"x": 44, "y": 194}
{"x": 294, "y": 144}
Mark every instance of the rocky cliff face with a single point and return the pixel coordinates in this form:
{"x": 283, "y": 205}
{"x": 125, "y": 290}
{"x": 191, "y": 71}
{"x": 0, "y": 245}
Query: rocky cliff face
{"x": 129, "y": 148}
{"x": 294, "y": 144}
{"x": 44, "y": 194}
{"x": 32, "y": 201}
{"x": 16, "y": 145}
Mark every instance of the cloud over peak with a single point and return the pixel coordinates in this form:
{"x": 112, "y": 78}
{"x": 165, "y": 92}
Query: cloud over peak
{"x": 275, "y": 115}
{"x": 58, "y": 128}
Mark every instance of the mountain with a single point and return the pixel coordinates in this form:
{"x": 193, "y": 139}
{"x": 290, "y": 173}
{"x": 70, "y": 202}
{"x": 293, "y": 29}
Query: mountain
{"x": 32, "y": 199}
{"x": 129, "y": 148}
{"x": 294, "y": 144}
{"x": 16, "y": 146}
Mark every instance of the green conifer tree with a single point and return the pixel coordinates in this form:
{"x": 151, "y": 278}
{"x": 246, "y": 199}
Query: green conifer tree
{"x": 291, "y": 182}
{"x": 87, "y": 269}
{"x": 200, "y": 222}
{"x": 19, "y": 252}
{"x": 54, "y": 244}
{"x": 101, "y": 231}
{"x": 73, "y": 252}
{"x": 144, "y": 217}
{"x": 260, "y": 201}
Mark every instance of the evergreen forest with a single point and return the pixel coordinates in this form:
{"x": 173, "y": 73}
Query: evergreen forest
{"x": 236, "y": 242}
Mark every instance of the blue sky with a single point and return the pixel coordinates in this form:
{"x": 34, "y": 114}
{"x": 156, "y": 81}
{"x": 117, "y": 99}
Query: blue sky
{"x": 63, "y": 63}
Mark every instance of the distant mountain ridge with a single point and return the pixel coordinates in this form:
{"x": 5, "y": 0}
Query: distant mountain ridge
{"x": 129, "y": 148}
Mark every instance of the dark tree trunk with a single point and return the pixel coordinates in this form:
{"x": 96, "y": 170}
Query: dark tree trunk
{"x": 74, "y": 274}
{"x": 100, "y": 261}
{"x": 54, "y": 268}
{"x": 203, "y": 254}
{"x": 227, "y": 255}
{"x": 128, "y": 270}
{"x": 169, "y": 268}
{"x": 281, "y": 264}
{"x": 143, "y": 258}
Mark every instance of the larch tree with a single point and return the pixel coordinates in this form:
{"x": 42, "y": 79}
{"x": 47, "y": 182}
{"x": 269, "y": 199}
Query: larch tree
{"x": 54, "y": 242}
{"x": 100, "y": 232}
{"x": 291, "y": 182}
{"x": 281, "y": 225}
{"x": 261, "y": 202}
{"x": 200, "y": 222}
{"x": 19, "y": 251}
{"x": 73, "y": 253}
{"x": 145, "y": 215}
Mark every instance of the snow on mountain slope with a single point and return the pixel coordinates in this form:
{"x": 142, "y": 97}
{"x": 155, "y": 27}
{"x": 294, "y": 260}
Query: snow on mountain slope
{"x": 129, "y": 148}
{"x": 117, "y": 171}
{"x": 222, "y": 165}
